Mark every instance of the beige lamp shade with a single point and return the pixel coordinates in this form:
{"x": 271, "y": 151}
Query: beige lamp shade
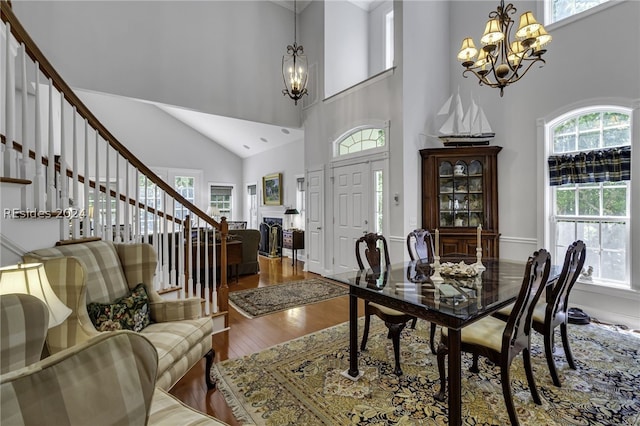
{"x": 516, "y": 53}
{"x": 468, "y": 50}
{"x": 492, "y": 32}
{"x": 30, "y": 278}
{"x": 482, "y": 59}
{"x": 542, "y": 37}
{"x": 528, "y": 25}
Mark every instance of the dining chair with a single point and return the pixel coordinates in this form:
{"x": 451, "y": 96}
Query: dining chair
{"x": 551, "y": 311}
{"x": 420, "y": 246}
{"x": 394, "y": 320}
{"x": 501, "y": 342}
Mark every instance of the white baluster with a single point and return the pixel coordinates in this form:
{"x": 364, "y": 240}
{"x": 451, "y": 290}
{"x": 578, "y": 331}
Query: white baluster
{"x": 8, "y": 154}
{"x": 75, "y": 220}
{"x": 127, "y": 221}
{"x": 39, "y": 184}
{"x": 25, "y": 169}
{"x": 86, "y": 220}
{"x": 107, "y": 196}
{"x": 51, "y": 167}
{"x": 64, "y": 182}
{"x": 97, "y": 205}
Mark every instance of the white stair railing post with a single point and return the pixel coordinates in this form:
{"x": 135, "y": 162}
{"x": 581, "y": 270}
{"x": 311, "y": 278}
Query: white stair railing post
{"x": 75, "y": 180}
{"x": 39, "y": 184}
{"x": 64, "y": 183}
{"x": 26, "y": 171}
{"x": 51, "y": 165}
{"x": 87, "y": 218}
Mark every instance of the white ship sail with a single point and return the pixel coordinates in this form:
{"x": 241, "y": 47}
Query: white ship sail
{"x": 470, "y": 128}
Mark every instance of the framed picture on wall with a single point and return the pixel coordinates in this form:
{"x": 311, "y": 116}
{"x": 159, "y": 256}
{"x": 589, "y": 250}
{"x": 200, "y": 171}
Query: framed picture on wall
{"x": 272, "y": 189}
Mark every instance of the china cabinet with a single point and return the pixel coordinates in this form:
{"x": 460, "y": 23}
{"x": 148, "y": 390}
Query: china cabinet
{"x": 460, "y": 192}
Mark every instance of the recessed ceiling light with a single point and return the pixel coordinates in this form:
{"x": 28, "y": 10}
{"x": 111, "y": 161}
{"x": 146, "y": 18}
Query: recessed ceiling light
{"x": 285, "y": 131}
{"x": 247, "y": 146}
{"x": 264, "y": 140}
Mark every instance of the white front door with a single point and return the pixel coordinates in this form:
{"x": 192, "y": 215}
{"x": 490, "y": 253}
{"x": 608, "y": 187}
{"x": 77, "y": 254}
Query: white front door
{"x": 314, "y": 244}
{"x": 352, "y": 213}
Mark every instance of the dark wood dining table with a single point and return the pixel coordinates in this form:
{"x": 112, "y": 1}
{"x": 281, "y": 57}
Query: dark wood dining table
{"x": 454, "y": 303}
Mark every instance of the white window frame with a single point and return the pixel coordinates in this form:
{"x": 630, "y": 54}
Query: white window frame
{"x": 371, "y": 124}
{"x": 388, "y": 40}
{"x": 545, "y": 194}
{"x": 544, "y": 9}
{"x": 232, "y": 200}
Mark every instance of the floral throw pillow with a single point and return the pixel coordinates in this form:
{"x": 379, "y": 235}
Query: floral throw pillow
{"x": 127, "y": 313}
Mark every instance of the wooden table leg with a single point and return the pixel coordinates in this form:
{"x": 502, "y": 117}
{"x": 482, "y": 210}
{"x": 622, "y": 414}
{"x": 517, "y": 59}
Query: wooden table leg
{"x": 455, "y": 378}
{"x": 353, "y": 336}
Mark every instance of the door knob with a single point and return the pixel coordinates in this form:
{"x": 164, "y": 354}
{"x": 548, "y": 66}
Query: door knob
{"x": 319, "y": 228}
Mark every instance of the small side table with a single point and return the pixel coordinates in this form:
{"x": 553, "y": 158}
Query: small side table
{"x": 293, "y": 239}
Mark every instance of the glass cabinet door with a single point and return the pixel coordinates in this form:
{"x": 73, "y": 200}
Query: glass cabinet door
{"x": 461, "y": 198}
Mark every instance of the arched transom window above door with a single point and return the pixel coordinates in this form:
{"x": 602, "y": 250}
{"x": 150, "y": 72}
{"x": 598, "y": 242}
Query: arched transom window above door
{"x": 361, "y": 140}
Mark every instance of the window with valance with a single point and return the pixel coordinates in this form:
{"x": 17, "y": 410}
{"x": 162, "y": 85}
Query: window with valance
{"x": 589, "y": 167}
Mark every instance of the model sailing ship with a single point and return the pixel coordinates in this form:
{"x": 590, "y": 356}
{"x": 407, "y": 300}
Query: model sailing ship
{"x": 464, "y": 129}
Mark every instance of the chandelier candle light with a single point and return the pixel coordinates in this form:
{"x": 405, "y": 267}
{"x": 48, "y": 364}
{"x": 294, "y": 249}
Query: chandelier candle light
{"x": 294, "y": 67}
{"x": 501, "y": 60}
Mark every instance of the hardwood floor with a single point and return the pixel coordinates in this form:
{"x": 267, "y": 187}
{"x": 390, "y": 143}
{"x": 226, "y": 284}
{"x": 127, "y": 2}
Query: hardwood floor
{"x": 247, "y": 336}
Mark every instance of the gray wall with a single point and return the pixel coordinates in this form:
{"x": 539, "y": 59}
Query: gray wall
{"x": 161, "y": 141}
{"x": 219, "y": 57}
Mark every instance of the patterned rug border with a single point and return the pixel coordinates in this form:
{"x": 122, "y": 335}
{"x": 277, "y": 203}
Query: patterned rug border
{"x": 250, "y": 310}
{"x": 235, "y": 376}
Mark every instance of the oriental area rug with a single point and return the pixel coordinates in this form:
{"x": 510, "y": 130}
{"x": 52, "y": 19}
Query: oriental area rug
{"x": 261, "y": 301}
{"x": 299, "y": 382}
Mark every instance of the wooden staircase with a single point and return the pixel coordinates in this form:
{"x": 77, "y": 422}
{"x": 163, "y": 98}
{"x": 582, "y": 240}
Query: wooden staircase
{"x": 73, "y": 169}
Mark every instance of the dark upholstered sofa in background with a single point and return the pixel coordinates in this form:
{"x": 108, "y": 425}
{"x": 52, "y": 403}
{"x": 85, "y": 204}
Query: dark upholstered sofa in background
{"x": 250, "y": 242}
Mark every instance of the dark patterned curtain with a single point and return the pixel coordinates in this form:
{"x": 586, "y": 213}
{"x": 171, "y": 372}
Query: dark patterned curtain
{"x": 605, "y": 165}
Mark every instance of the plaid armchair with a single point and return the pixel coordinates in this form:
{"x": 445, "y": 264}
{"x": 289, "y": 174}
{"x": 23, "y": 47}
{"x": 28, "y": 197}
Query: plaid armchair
{"x": 107, "y": 380}
{"x": 101, "y": 271}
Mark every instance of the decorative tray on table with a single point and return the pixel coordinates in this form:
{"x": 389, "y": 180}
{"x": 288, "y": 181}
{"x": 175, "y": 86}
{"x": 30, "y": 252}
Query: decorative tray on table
{"x": 458, "y": 270}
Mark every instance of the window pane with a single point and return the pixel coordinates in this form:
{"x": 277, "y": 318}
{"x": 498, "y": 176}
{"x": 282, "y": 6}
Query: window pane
{"x": 564, "y": 143}
{"x": 613, "y": 265}
{"x": 615, "y": 119}
{"x": 589, "y": 121}
{"x": 614, "y": 236}
{"x": 566, "y": 201}
{"x": 565, "y": 234}
{"x": 615, "y": 201}
{"x": 589, "y": 232}
{"x": 615, "y": 137}
{"x": 561, "y": 9}
{"x": 588, "y": 201}
{"x": 593, "y": 259}
{"x": 361, "y": 140}
{"x": 589, "y": 140}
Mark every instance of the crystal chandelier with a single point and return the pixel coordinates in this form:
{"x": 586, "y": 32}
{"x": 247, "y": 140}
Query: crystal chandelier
{"x": 294, "y": 67}
{"x": 501, "y": 60}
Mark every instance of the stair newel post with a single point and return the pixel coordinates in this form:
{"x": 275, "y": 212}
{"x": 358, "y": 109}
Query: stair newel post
{"x": 187, "y": 279}
{"x": 222, "y": 297}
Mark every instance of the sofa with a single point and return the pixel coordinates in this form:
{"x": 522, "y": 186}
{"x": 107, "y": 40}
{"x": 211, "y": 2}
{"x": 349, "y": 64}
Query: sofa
{"x": 250, "y": 243}
{"x": 106, "y": 380}
{"x": 105, "y": 274}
